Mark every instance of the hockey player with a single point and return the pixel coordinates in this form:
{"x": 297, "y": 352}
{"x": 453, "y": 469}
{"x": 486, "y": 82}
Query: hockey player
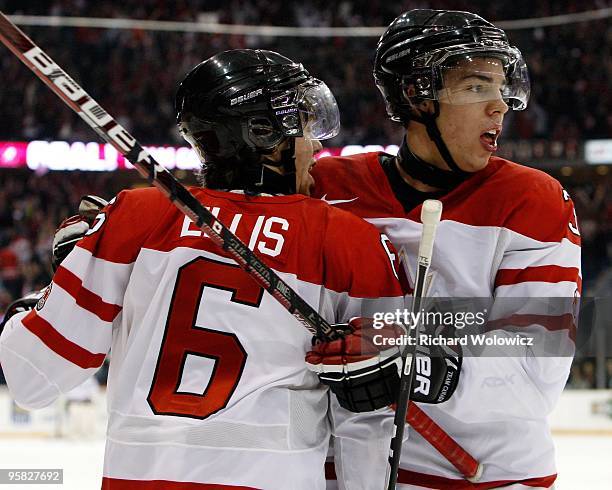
{"x": 507, "y": 231}
{"x": 207, "y": 385}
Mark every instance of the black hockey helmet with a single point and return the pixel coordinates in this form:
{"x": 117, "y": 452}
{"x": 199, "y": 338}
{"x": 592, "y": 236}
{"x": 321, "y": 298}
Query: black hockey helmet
{"x": 420, "y": 45}
{"x": 241, "y": 104}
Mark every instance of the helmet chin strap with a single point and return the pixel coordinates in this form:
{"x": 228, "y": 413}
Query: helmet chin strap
{"x": 272, "y": 182}
{"x": 425, "y": 172}
{"x": 288, "y": 157}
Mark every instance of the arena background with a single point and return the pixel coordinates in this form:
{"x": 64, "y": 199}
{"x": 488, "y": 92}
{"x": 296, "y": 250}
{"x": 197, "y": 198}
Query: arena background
{"x": 130, "y": 55}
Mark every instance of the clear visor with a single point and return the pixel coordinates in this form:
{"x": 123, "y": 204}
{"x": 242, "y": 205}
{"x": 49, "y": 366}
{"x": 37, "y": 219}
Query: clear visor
{"x": 482, "y": 78}
{"x": 308, "y": 110}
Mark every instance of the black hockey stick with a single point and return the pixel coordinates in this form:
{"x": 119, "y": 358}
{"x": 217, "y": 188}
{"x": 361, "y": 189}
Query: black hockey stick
{"x": 112, "y": 132}
{"x": 430, "y": 216}
{"x": 431, "y": 212}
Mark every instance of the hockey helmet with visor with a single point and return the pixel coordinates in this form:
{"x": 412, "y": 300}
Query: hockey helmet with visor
{"x": 421, "y": 48}
{"x": 446, "y": 56}
{"x": 244, "y": 103}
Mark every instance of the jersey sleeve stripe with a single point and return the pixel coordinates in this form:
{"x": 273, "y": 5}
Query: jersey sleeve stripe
{"x": 121, "y": 484}
{"x": 550, "y": 322}
{"x": 86, "y": 299}
{"x": 537, "y": 292}
{"x": 529, "y": 253}
{"x": 59, "y": 344}
{"x": 543, "y": 273}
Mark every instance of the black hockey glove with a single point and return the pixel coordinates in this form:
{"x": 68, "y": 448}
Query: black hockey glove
{"x": 363, "y": 367}
{"x": 72, "y": 229}
{"x": 26, "y": 303}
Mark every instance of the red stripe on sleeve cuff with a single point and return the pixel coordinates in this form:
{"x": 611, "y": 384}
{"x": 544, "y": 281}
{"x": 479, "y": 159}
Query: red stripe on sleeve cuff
{"x": 59, "y": 344}
{"x": 543, "y": 273}
{"x": 120, "y": 484}
{"x": 93, "y": 303}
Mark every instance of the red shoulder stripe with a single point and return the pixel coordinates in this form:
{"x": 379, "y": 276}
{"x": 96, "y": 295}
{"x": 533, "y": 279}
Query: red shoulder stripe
{"x": 59, "y": 344}
{"x": 120, "y": 484}
{"x": 86, "y": 299}
{"x": 543, "y": 273}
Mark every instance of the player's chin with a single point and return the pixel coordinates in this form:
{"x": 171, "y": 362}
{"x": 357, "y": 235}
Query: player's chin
{"x": 305, "y": 184}
{"x": 478, "y": 161}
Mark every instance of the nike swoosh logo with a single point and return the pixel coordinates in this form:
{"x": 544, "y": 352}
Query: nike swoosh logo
{"x": 337, "y": 201}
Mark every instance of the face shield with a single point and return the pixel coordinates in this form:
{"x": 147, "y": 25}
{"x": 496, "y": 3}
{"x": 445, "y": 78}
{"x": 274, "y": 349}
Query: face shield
{"x": 308, "y": 110}
{"x": 486, "y": 76}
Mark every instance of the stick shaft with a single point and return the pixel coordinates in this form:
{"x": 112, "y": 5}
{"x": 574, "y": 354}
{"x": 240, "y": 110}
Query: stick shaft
{"x": 399, "y": 419}
{"x": 467, "y": 465}
{"x": 455, "y": 454}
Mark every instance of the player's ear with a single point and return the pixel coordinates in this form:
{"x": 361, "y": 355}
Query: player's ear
{"x": 426, "y": 106}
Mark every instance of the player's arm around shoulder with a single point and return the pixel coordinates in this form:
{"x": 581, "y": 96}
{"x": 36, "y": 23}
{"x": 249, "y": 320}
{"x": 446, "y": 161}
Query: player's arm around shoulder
{"x": 362, "y": 262}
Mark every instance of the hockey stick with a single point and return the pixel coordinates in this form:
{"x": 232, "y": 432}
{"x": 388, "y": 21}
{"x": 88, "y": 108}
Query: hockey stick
{"x": 435, "y": 435}
{"x": 109, "y": 130}
{"x": 431, "y": 212}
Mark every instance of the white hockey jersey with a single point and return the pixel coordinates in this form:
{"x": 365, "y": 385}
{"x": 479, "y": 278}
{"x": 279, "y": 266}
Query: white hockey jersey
{"x": 207, "y": 386}
{"x": 507, "y": 232}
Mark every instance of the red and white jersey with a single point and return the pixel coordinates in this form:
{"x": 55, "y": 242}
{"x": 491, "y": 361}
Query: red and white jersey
{"x": 208, "y": 387}
{"x": 508, "y": 231}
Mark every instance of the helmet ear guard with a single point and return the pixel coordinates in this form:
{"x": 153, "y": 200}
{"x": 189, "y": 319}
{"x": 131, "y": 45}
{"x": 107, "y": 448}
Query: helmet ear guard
{"x": 262, "y": 133}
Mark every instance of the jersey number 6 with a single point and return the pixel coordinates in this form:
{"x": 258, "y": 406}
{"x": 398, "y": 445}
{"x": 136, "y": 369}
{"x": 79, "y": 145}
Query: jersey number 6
{"x": 182, "y": 337}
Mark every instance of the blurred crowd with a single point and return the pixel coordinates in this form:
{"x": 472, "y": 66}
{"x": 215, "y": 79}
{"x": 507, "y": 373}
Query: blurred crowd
{"x": 134, "y": 73}
{"x": 582, "y": 375}
{"x": 31, "y": 208}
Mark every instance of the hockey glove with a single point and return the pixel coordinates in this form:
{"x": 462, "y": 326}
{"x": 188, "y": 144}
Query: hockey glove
{"x": 26, "y": 303}
{"x": 72, "y": 229}
{"x": 363, "y": 375}
{"x": 363, "y": 367}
